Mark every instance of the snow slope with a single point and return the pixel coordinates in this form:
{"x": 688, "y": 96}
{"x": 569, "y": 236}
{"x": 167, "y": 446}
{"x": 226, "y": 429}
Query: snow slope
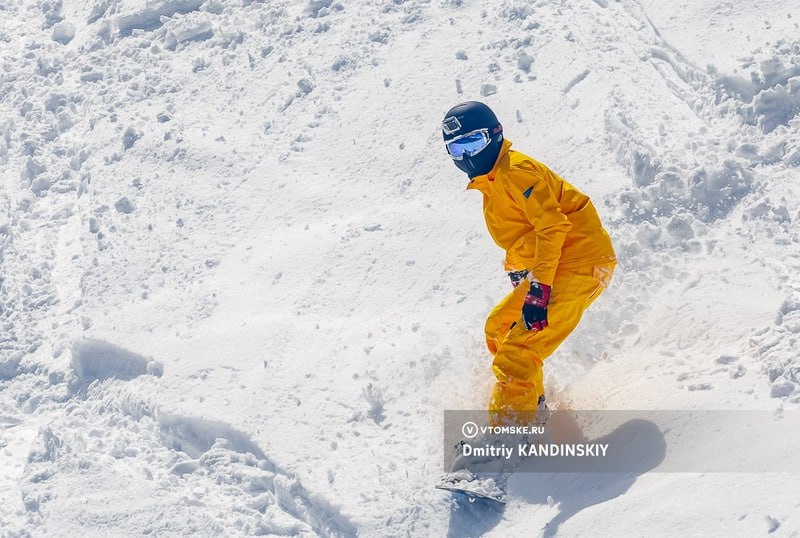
{"x": 240, "y": 280}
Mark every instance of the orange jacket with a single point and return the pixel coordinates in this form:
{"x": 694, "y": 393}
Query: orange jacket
{"x": 541, "y": 221}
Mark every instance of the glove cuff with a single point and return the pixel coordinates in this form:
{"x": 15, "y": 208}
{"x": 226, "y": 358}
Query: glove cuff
{"x": 518, "y": 276}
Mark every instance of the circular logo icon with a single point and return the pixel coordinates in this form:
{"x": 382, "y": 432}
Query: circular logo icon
{"x": 469, "y": 430}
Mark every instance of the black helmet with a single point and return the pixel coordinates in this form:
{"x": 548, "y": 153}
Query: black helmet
{"x": 473, "y": 137}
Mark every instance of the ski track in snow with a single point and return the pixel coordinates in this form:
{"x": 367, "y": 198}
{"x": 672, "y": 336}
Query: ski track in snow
{"x": 151, "y": 156}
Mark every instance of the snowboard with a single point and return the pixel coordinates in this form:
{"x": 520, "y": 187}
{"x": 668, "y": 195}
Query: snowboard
{"x": 473, "y": 487}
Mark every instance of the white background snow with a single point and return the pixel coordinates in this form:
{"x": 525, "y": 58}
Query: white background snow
{"x": 240, "y": 280}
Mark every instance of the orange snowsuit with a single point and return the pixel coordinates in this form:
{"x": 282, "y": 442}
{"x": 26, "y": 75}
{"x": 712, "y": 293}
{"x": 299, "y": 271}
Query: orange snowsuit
{"x": 550, "y": 228}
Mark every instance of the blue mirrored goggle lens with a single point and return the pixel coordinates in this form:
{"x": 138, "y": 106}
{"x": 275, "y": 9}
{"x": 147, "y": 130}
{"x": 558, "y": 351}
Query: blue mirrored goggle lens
{"x": 468, "y": 145}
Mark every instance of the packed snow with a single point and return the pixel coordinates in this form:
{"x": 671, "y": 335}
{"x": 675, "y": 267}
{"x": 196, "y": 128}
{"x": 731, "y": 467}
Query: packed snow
{"x": 240, "y": 280}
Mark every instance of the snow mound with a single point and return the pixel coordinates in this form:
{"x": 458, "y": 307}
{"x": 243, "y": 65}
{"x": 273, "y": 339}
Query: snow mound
{"x": 96, "y": 359}
{"x": 152, "y": 16}
{"x": 9, "y": 365}
{"x": 196, "y": 436}
{"x": 775, "y": 346}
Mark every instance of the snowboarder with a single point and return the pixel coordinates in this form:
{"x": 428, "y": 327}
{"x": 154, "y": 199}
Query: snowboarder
{"x": 558, "y": 256}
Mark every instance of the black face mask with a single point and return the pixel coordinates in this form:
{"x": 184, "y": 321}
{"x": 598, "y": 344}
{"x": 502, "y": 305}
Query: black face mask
{"x": 483, "y": 162}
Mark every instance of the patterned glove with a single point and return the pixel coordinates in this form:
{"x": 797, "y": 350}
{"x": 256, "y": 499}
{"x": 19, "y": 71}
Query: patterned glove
{"x": 534, "y": 311}
{"x": 517, "y": 277}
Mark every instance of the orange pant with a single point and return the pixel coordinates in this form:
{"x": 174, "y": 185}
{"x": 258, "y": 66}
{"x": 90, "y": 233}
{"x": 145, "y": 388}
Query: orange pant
{"x": 519, "y": 353}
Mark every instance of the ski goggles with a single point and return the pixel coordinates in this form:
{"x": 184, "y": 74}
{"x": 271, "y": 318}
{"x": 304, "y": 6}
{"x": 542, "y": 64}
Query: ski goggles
{"x": 468, "y": 144}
